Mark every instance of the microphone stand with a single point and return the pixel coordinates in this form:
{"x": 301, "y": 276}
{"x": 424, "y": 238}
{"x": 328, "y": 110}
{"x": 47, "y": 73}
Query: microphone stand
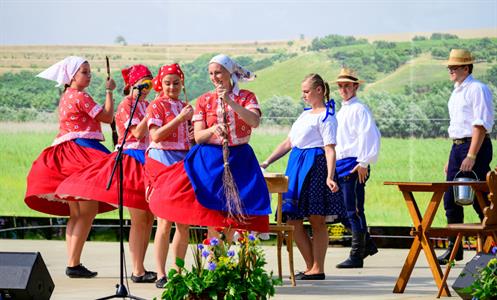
{"x": 122, "y": 291}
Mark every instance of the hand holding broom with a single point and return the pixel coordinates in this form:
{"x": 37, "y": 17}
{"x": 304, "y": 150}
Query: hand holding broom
{"x": 234, "y": 204}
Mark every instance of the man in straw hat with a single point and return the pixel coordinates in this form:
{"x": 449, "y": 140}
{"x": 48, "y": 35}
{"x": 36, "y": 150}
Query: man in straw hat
{"x": 358, "y": 144}
{"x": 471, "y": 120}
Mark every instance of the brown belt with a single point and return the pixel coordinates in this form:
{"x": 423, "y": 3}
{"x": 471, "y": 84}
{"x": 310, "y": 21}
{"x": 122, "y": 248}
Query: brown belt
{"x": 466, "y": 140}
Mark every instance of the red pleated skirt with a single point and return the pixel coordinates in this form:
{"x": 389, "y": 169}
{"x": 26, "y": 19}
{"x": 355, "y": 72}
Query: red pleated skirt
{"x": 171, "y": 197}
{"x": 53, "y": 166}
{"x": 90, "y": 183}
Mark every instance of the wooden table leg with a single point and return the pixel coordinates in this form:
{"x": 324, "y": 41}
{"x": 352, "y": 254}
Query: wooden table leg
{"x": 412, "y": 257}
{"x": 428, "y": 217}
{"x": 406, "y": 271}
{"x": 278, "y": 253}
{"x": 421, "y": 241}
{"x": 489, "y": 241}
{"x": 434, "y": 265}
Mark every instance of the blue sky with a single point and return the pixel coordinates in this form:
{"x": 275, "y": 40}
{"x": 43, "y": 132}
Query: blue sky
{"x": 196, "y": 21}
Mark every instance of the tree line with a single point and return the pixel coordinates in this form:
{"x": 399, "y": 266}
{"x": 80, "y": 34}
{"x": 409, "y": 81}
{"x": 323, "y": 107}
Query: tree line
{"x": 25, "y": 97}
{"x": 420, "y": 110}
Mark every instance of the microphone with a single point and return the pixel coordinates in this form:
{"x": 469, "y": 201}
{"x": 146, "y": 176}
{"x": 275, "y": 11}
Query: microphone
{"x": 146, "y": 85}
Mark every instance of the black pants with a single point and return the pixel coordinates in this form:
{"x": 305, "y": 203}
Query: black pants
{"x": 453, "y": 211}
{"x": 353, "y": 198}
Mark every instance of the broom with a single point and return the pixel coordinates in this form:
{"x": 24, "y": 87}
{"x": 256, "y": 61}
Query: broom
{"x": 233, "y": 202}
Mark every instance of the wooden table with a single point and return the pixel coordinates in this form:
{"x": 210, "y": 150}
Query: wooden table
{"x": 422, "y": 225}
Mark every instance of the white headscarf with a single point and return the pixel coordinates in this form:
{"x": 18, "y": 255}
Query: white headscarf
{"x": 238, "y": 73}
{"x": 63, "y": 71}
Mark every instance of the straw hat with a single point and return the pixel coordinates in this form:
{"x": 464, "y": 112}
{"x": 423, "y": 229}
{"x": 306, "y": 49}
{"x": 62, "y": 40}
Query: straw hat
{"x": 460, "y": 57}
{"x": 348, "y": 75}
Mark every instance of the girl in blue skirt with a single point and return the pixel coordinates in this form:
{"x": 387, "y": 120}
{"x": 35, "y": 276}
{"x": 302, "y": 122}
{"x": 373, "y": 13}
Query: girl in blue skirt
{"x": 312, "y": 191}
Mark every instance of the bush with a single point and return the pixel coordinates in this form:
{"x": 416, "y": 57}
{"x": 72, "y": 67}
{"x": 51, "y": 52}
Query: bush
{"x": 440, "y": 53}
{"x": 443, "y": 36}
{"x": 418, "y": 38}
{"x": 384, "y": 44}
{"x": 491, "y": 75}
{"x": 281, "y": 110}
{"x": 334, "y": 40}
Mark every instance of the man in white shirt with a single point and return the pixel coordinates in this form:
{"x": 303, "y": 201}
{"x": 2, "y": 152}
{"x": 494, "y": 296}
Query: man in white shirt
{"x": 358, "y": 144}
{"x": 471, "y": 120}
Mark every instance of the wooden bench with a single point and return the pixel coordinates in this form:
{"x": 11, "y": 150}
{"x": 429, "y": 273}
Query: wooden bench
{"x": 487, "y": 228}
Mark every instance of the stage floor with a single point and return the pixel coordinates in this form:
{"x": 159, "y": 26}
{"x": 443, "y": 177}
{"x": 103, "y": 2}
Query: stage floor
{"x": 375, "y": 281}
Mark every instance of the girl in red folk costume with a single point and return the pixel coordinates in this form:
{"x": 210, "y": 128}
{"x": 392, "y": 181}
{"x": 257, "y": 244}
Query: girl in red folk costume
{"x": 75, "y": 147}
{"x": 195, "y": 194}
{"x": 170, "y": 141}
{"x": 90, "y": 182}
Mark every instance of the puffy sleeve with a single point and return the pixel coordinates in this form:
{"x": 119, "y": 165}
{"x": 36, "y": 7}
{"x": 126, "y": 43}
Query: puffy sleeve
{"x": 155, "y": 114}
{"x": 483, "y": 114}
{"x": 328, "y": 130}
{"x": 369, "y": 138}
{"x": 200, "y": 111}
{"x": 85, "y": 103}
{"x": 123, "y": 113}
{"x": 249, "y": 101}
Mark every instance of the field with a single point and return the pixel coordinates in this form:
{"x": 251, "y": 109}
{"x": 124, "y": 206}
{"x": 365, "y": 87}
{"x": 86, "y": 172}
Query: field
{"x": 400, "y": 159}
{"x": 37, "y": 58}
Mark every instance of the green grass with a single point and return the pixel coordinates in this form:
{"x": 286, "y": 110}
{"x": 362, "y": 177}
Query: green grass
{"x": 400, "y": 160}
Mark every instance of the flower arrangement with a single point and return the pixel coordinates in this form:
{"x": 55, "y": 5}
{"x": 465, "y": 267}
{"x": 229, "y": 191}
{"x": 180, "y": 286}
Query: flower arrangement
{"x": 223, "y": 270}
{"x": 485, "y": 285}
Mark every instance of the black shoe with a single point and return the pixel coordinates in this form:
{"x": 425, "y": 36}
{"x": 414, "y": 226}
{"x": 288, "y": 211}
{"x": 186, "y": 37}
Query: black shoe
{"x": 161, "y": 282}
{"x": 80, "y": 271}
{"x": 298, "y": 275}
{"x": 357, "y": 252}
{"x": 351, "y": 263}
{"x": 444, "y": 258}
{"x": 371, "y": 248}
{"x": 319, "y": 276}
{"x": 148, "y": 277}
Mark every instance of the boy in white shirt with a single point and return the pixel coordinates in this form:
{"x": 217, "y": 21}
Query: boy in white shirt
{"x": 358, "y": 145}
{"x": 471, "y": 120}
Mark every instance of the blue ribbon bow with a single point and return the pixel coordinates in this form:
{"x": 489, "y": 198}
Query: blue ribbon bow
{"x": 330, "y": 104}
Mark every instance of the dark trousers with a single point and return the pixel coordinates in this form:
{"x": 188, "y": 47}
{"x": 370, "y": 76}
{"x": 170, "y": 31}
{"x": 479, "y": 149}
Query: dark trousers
{"x": 353, "y": 198}
{"x": 453, "y": 211}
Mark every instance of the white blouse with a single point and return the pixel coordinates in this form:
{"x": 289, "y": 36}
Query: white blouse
{"x": 470, "y": 104}
{"x": 309, "y": 130}
{"x": 357, "y": 134}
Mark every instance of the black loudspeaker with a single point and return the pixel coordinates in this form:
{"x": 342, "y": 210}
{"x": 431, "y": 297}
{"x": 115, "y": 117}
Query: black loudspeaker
{"x": 24, "y": 276}
{"x": 469, "y": 274}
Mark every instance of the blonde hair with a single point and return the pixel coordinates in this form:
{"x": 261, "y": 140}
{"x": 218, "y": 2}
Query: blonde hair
{"x": 317, "y": 80}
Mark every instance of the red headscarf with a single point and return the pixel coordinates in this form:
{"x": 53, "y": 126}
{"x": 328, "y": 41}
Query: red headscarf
{"x": 134, "y": 73}
{"x": 166, "y": 70}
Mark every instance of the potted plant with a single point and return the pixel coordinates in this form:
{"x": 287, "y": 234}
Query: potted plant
{"x": 223, "y": 270}
{"x": 485, "y": 285}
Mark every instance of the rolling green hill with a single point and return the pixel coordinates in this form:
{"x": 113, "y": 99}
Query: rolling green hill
{"x": 423, "y": 70}
{"x": 284, "y": 78}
